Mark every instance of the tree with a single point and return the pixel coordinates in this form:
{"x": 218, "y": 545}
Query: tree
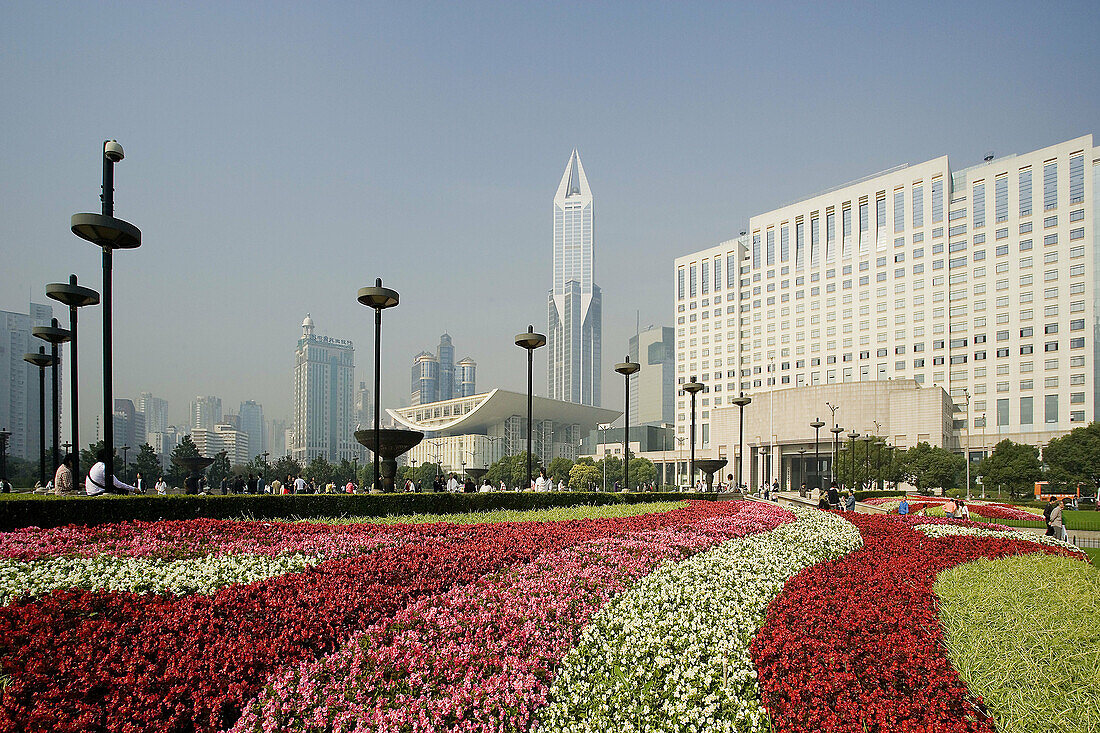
{"x": 425, "y": 474}
{"x": 584, "y": 477}
{"x": 641, "y": 471}
{"x": 186, "y": 448}
{"x": 1015, "y": 465}
{"x": 870, "y": 456}
{"x": 319, "y": 471}
{"x": 365, "y": 478}
{"x": 285, "y": 466}
{"x": 343, "y": 472}
{"x": 219, "y": 469}
{"x": 147, "y": 464}
{"x": 1075, "y": 458}
{"x": 513, "y": 470}
{"x": 88, "y": 456}
{"x": 929, "y": 468}
{"x": 559, "y": 469}
{"x": 611, "y": 467}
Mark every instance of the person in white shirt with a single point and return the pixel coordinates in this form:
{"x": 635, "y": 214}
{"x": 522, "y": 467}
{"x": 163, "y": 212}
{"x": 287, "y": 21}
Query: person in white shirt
{"x": 161, "y": 487}
{"x": 542, "y": 483}
{"x": 96, "y": 483}
{"x": 299, "y": 485}
{"x": 503, "y": 486}
{"x": 486, "y": 487}
{"x": 561, "y": 485}
{"x": 452, "y": 484}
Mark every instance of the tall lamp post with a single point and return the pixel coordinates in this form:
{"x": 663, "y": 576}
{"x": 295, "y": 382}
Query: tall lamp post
{"x": 801, "y": 470}
{"x": 679, "y": 457}
{"x": 852, "y": 435}
{"x": 125, "y": 461}
{"x": 530, "y": 341}
{"x": 693, "y": 388}
{"x": 836, "y": 430}
{"x": 626, "y": 368}
{"x": 75, "y": 296}
{"x": 966, "y": 393}
{"x": 4, "y": 435}
{"x": 740, "y": 400}
{"x": 54, "y": 335}
{"x": 108, "y": 233}
{"x": 378, "y": 298}
{"x": 817, "y": 424}
{"x": 41, "y": 360}
{"x": 983, "y": 450}
{"x": 265, "y": 454}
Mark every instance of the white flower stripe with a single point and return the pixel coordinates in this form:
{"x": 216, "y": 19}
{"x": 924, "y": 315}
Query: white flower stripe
{"x": 956, "y": 530}
{"x": 672, "y": 653}
{"x": 143, "y": 574}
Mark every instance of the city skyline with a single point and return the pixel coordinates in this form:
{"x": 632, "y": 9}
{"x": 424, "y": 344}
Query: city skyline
{"x": 432, "y": 169}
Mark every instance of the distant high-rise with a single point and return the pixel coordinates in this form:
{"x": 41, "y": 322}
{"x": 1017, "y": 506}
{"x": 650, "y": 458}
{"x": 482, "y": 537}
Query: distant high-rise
{"x": 275, "y": 438}
{"x": 653, "y": 387}
{"x": 250, "y": 420}
{"x": 155, "y": 411}
{"x": 425, "y": 379}
{"x": 446, "y": 368}
{"x": 364, "y": 408}
{"x": 575, "y": 303}
{"x": 436, "y": 378}
{"x": 324, "y": 379}
{"x": 206, "y": 412}
{"x": 19, "y": 380}
{"x": 129, "y": 424}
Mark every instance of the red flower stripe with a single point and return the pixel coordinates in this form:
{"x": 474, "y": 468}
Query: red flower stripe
{"x": 854, "y": 645}
{"x": 91, "y": 661}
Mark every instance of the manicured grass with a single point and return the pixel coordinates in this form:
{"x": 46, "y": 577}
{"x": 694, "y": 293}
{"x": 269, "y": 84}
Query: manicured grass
{"x": 1024, "y": 632}
{"x": 557, "y": 514}
{"x": 1094, "y": 554}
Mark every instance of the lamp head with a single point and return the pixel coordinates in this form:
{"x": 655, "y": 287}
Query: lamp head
{"x": 112, "y": 151}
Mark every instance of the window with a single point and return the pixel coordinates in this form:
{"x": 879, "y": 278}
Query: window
{"x": 937, "y": 201}
{"x": 1050, "y": 185}
{"x": 1050, "y": 239}
{"x": 978, "y": 204}
{"x": 1025, "y": 192}
{"x": 771, "y": 247}
{"x": 1025, "y": 228}
{"x": 1075, "y": 234}
{"x": 1051, "y": 411}
{"x": 756, "y": 249}
{"x": 1002, "y": 412}
{"x": 1077, "y": 343}
{"x": 1000, "y": 193}
{"x": 1027, "y": 410}
{"x": 1050, "y": 346}
{"x": 680, "y": 283}
{"x": 918, "y": 205}
{"x": 1078, "y": 215}
{"x": 705, "y": 267}
{"x": 784, "y": 243}
{"x": 1027, "y": 349}
{"x": 694, "y": 281}
{"x": 1076, "y": 178}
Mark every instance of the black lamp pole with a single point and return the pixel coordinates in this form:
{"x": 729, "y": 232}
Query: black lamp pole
{"x": 109, "y": 233}
{"x": 75, "y": 296}
{"x": 852, "y": 435}
{"x": 41, "y": 360}
{"x": 4, "y": 435}
{"x": 55, "y": 336}
{"x": 379, "y": 298}
{"x": 530, "y": 341}
{"x": 627, "y": 368}
{"x": 693, "y": 388}
{"x": 817, "y": 424}
{"x": 741, "y": 401}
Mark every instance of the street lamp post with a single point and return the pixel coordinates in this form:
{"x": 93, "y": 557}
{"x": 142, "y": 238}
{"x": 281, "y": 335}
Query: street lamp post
{"x": 75, "y": 296}
{"x": 626, "y": 368}
{"x": 108, "y": 233}
{"x": 966, "y": 393}
{"x": 983, "y": 450}
{"x": 125, "y": 462}
{"x": 530, "y": 341}
{"x": 867, "y": 455}
{"x": 41, "y": 360}
{"x": 836, "y": 430}
{"x": 693, "y": 388}
{"x": 817, "y": 424}
{"x": 801, "y": 470}
{"x": 852, "y": 435}
{"x": 4, "y": 435}
{"x": 265, "y": 454}
{"x": 378, "y": 298}
{"x": 55, "y": 336}
{"x": 679, "y": 457}
{"x": 741, "y": 401}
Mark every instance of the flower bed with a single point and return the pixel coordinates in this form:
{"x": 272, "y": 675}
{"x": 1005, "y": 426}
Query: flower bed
{"x": 871, "y": 658}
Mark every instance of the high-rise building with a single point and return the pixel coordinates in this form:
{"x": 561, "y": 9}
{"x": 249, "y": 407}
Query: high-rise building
{"x": 446, "y": 354}
{"x": 324, "y": 379}
{"x": 364, "y": 408}
{"x": 19, "y": 380}
{"x": 155, "y": 411}
{"x": 575, "y": 303}
{"x": 129, "y": 424}
{"x": 223, "y": 437}
{"x": 275, "y": 438}
{"x": 466, "y": 378}
{"x": 206, "y": 412}
{"x": 653, "y": 387}
{"x": 425, "y": 379}
{"x": 250, "y": 420}
{"x": 978, "y": 280}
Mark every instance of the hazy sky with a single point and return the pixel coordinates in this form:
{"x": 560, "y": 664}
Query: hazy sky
{"x": 280, "y": 156}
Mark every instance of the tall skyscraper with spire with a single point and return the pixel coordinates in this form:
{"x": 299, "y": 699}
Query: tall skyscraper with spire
{"x": 575, "y": 320}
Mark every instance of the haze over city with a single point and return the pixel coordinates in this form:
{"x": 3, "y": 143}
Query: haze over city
{"x": 279, "y": 157}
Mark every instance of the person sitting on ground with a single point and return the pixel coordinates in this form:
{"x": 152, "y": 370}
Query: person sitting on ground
{"x": 97, "y": 483}
{"x": 63, "y": 479}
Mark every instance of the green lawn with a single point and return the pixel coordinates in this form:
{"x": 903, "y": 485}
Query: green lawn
{"x": 557, "y": 514}
{"x": 1094, "y": 554}
{"x": 1024, "y": 633}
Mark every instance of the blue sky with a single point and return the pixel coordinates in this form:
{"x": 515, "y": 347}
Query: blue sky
{"x": 280, "y": 156}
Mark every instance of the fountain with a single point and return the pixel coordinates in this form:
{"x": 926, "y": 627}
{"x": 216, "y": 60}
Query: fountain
{"x": 392, "y": 442}
{"x": 476, "y": 474}
{"x": 194, "y": 465}
{"x": 709, "y": 466}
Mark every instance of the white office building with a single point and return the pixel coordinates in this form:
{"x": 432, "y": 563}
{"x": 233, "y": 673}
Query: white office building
{"x": 250, "y": 419}
{"x": 19, "y": 381}
{"x": 324, "y": 383}
{"x": 206, "y": 412}
{"x": 575, "y": 305}
{"x": 980, "y": 280}
{"x": 223, "y": 437}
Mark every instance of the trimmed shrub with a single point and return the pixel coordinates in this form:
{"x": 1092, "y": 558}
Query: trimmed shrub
{"x": 864, "y": 495}
{"x": 60, "y": 511}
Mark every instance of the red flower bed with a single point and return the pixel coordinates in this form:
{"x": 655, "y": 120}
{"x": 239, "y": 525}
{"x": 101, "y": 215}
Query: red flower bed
{"x": 854, "y": 645}
{"x": 87, "y": 661}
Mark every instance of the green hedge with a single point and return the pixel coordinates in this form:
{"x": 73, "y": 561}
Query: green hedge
{"x": 60, "y": 511}
{"x": 864, "y": 495}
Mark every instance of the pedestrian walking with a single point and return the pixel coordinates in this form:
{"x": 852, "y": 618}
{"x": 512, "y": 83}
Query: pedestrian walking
{"x": 1057, "y": 524}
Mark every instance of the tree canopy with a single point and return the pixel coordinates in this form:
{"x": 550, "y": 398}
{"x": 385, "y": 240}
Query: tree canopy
{"x": 1075, "y": 458}
{"x": 1013, "y": 465}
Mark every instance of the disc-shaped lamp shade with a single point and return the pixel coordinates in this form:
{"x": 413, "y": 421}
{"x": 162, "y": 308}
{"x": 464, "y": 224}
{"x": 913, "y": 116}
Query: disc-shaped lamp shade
{"x": 853, "y": 435}
{"x": 693, "y": 386}
{"x": 741, "y": 401}
{"x": 76, "y": 296}
{"x": 51, "y": 334}
{"x": 377, "y": 297}
{"x": 627, "y": 367}
{"x": 106, "y": 231}
{"x": 817, "y": 424}
{"x": 836, "y": 429}
{"x": 530, "y": 340}
{"x": 39, "y": 360}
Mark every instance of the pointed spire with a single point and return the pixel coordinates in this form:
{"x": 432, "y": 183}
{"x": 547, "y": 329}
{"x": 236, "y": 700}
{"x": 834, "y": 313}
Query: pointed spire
{"x": 573, "y": 180}
{"x": 574, "y": 187}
